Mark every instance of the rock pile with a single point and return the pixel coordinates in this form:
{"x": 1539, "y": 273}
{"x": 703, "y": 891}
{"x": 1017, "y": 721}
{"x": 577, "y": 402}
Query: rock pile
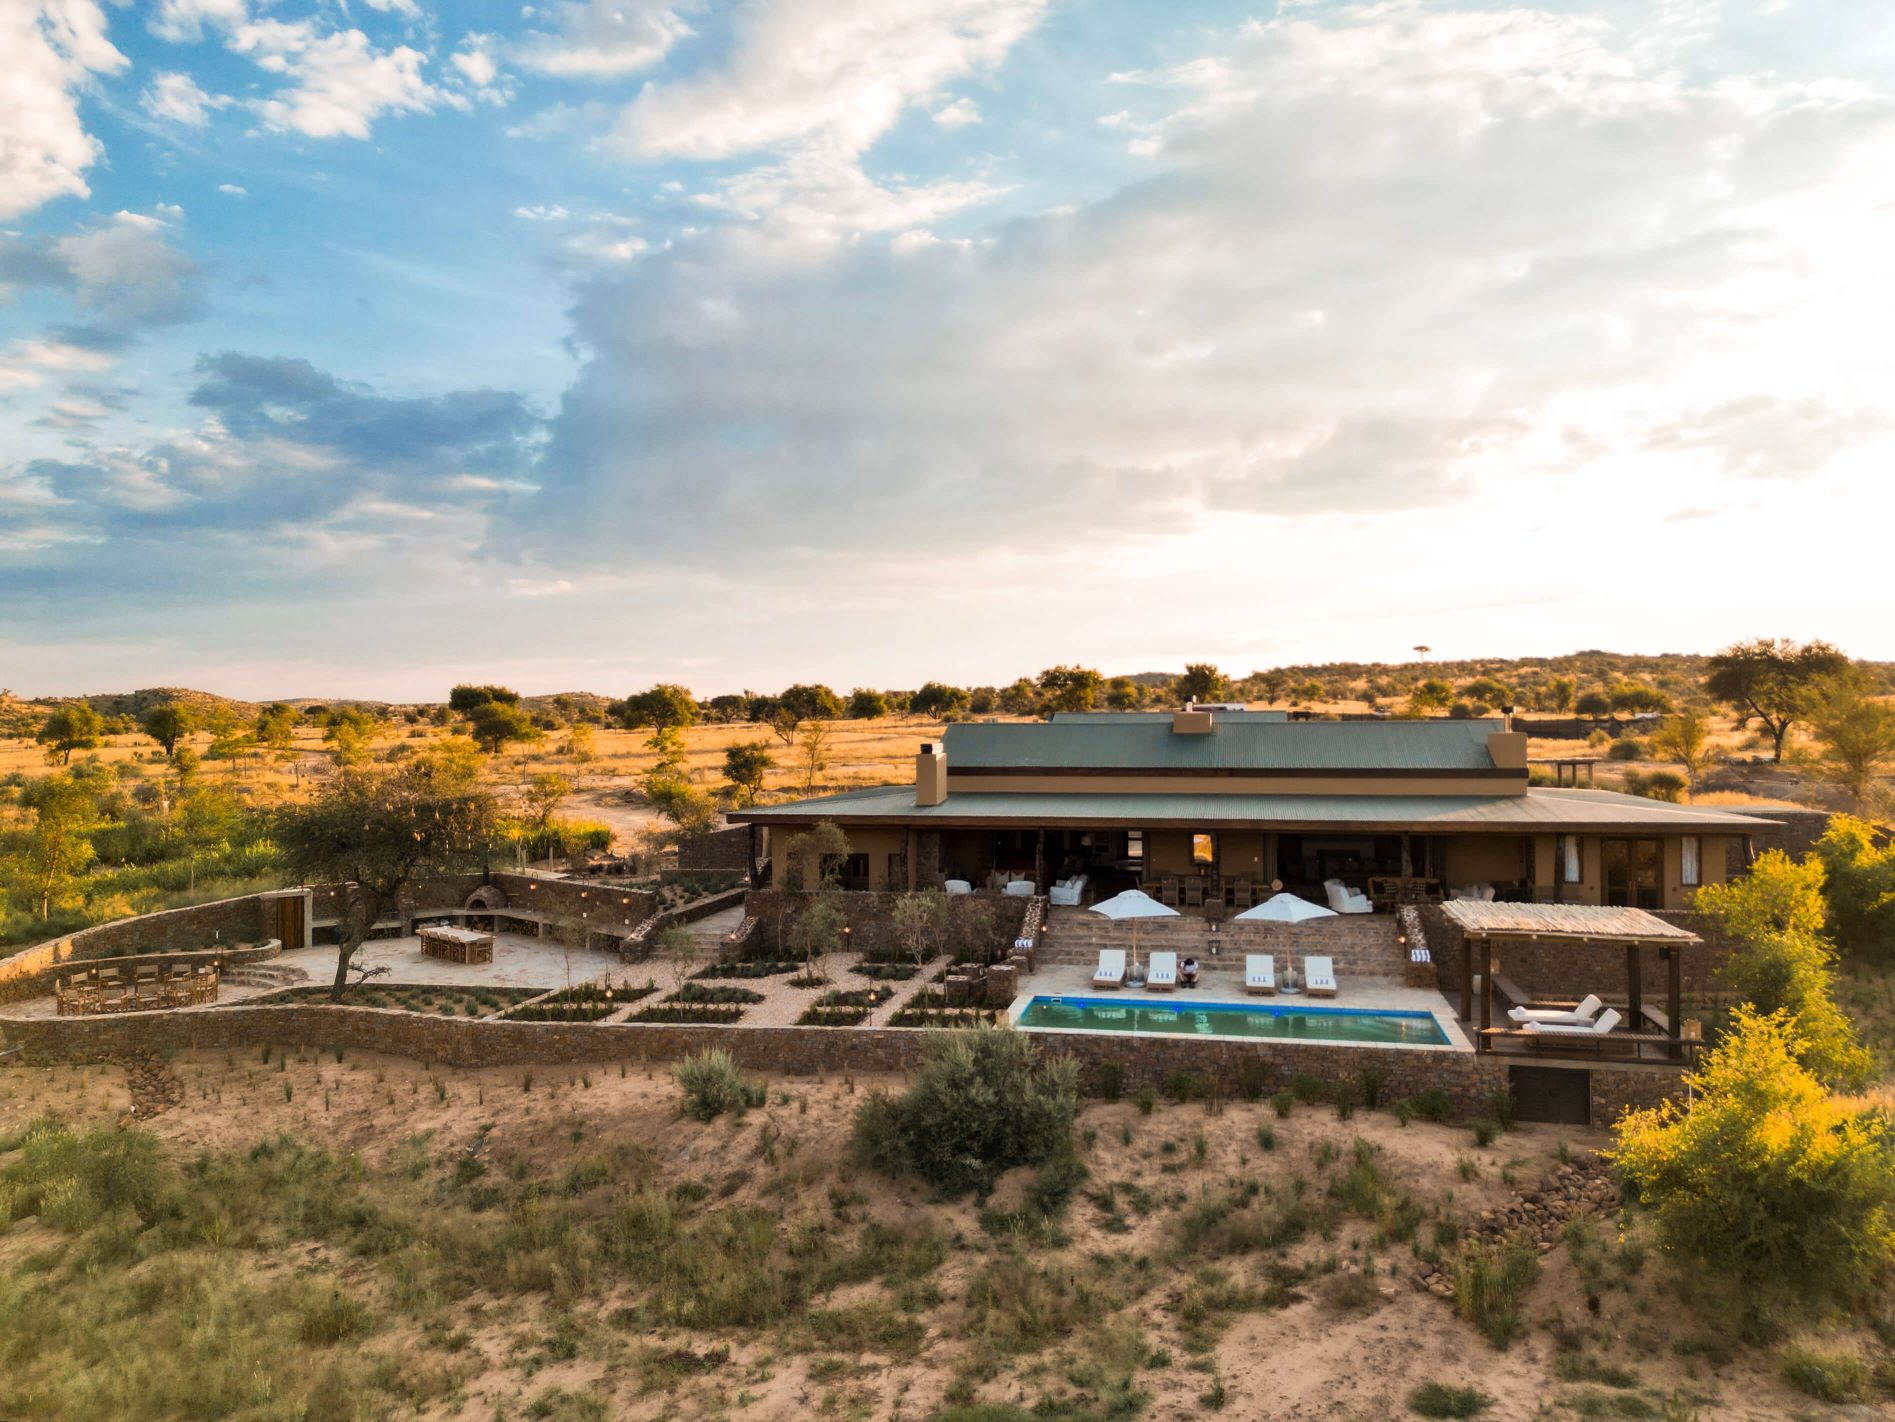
{"x": 1585, "y": 1186}
{"x": 154, "y": 1086}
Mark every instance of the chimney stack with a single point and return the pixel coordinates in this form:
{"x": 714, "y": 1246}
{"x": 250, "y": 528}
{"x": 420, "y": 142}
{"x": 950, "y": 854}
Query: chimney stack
{"x": 1191, "y": 722}
{"x": 931, "y": 774}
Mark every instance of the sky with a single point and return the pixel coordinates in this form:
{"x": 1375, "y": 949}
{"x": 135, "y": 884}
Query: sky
{"x": 361, "y": 347}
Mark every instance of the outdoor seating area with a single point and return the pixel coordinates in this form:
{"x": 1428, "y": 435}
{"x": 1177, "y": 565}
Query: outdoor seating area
{"x": 139, "y": 988}
{"x": 455, "y": 945}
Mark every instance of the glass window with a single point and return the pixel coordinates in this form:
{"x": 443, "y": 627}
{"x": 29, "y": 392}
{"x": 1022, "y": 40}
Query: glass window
{"x": 1135, "y": 844}
{"x": 1689, "y": 872}
{"x": 1569, "y": 859}
{"x": 1203, "y": 849}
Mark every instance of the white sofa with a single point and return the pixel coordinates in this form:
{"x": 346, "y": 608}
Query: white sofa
{"x": 1018, "y": 889}
{"x": 958, "y": 886}
{"x": 1067, "y": 893}
{"x": 1344, "y": 899}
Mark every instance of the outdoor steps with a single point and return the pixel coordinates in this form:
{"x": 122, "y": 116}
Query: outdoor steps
{"x": 270, "y": 975}
{"x": 1365, "y": 947}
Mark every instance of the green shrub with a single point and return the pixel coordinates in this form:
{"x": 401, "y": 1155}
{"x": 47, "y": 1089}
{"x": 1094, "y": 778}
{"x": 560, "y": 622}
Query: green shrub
{"x": 1500, "y": 1107}
{"x": 1438, "y": 1400}
{"x": 332, "y": 1319}
{"x": 1370, "y": 1081}
{"x": 1308, "y": 1088}
{"x": 1825, "y": 1375}
{"x": 1112, "y": 1080}
{"x": 1343, "y": 1095}
{"x": 1283, "y": 1103}
{"x": 1145, "y": 1099}
{"x": 1253, "y": 1078}
{"x": 1484, "y": 1131}
{"x": 1404, "y": 1111}
{"x": 1434, "y": 1105}
{"x": 1778, "y": 1189}
{"x": 1183, "y": 1086}
{"x": 982, "y": 1102}
{"x": 1626, "y": 748}
{"x": 712, "y": 1085}
{"x": 1489, "y": 1282}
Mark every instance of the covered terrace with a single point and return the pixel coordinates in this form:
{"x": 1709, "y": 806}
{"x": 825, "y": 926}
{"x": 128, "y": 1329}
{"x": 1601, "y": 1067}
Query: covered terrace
{"x": 1567, "y": 945}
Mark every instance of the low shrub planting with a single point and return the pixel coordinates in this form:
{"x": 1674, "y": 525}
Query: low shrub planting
{"x": 982, "y": 1102}
{"x": 1826, "y": 1374}
{"x": 712, "y": 1085}
{"x": 699, "y": 992}
{"x": 1490, "y": 1281}
{"x": 705, "y": 1012}
{"x": 1439, "y": 1400}
{"x": 761, "y": 968}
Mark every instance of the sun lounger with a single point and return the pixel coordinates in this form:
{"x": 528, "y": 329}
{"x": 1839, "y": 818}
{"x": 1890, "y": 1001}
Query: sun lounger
{"x": 1111, "y": 970}
{"x": 1319, "y": 977}
{"x": 1163, "y": 973}
{"x": 1260, "y": 973}
{"x": 1598, "y": 1027}
{"x": 1580, "y": 1016}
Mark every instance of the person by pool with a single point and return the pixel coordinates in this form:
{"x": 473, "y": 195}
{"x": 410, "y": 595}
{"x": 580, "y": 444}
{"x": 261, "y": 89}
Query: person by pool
{"x": 1188, "y": 974}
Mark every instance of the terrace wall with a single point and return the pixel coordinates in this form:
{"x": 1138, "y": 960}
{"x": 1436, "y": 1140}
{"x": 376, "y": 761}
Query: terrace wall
{"x": 870, "y": 916}
{"x": 30, "y": 972}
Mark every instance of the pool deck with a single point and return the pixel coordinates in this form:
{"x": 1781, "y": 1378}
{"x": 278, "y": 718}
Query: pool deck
{"x": 1226, "y": 990}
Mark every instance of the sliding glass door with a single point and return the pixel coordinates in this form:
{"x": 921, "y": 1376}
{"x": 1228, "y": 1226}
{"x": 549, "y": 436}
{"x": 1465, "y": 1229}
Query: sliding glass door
{"x": 1632, "y": 872}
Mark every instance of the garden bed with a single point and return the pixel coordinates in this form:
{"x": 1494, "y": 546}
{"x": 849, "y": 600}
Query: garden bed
{"x": 701, "y": 1012}
{"x": 583, "y": 1002}
{"x": 762, "y": 968}
{"x": 887, "y": 972}
{"x": 700, "y": 993}
{"x": 846, "y": 1008}
{"x": 932, "y": 1009}
{"x": 444, "y": 1000}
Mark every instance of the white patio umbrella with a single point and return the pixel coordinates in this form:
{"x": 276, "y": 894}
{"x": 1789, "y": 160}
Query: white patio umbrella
{"x": 1285, "y": 908}
{"x": 1133, "y": 904}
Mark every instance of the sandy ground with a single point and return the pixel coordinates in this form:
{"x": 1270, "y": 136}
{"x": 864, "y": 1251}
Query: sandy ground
{"x": 1304, "y": 1361}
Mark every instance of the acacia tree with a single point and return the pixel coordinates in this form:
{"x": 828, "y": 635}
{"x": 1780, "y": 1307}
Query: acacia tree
{"x": 1772, "y": 681}
{"x": 167, "y": 724}
{"x": 58, "y": 847}
{"x": 1201, "y": 682}
{"x": 666, "y": 704}
{"x": 70, "y": 728}
{"x": 1685, "y": 740}
{"x": 919, "y": 922}
{"x": 812, "y": 753}
{"x": 745, "y": 765}
{"x": 936, "y": 699}
{"x": 494, "y": 723}
{"x": 376, "y": 832}
{"x": 1070, "y": 688}
{"x": 1857, "y": 735}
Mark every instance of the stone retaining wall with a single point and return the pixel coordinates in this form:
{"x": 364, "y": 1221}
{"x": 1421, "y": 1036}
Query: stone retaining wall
{"x": 1145, "y": 1061}
{"x": 869, "y": 915}
{"x": 30, "y": 972}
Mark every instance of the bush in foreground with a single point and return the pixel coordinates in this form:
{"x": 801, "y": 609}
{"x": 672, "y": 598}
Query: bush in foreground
{"x": 712, "y": 1085}
{"x": 1777, "y": 1189}
{"x": 1490, "y": 1281}
{"x": 1435, "y": 1399}
{"x": 982, "y": 1103}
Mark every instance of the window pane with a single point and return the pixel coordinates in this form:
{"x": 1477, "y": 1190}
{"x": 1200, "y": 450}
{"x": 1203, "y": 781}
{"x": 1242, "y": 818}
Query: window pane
{"x": 1203, "y": 850}
{"x": 1688, "y": 860}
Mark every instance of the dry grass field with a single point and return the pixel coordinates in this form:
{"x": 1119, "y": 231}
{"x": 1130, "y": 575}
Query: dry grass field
{"x": 316, "y": 1238}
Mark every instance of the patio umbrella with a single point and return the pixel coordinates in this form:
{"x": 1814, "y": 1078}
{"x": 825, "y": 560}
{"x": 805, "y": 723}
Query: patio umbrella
{"x": 1133, "y": 904}
{"x": 1285, "y": 908}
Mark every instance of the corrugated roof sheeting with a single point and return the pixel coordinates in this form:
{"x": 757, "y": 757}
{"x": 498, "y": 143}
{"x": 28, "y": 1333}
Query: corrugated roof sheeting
{"x": 1538, "y": 809}
{"x": 1145, "y": 744}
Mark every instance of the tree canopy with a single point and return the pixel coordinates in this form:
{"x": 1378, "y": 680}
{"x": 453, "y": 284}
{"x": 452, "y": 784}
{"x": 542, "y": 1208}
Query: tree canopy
{"x": 495, "y": 723}
{"x": 1772, "y": 681}
{"x": 69, "y": 728}
{"x": 1068, "y": 688}
{"x": 666, "y": 704}
{"x": 376, "y": 831}
{"x": 167, "y": 724}
{"x": 465, "y": 698}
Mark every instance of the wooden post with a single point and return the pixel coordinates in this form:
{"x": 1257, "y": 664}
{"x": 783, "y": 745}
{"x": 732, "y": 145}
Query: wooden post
{"x": 1487, "y": 952}
{"x": 1039, "y": 863}
{"x": 1634, "y": 988}
{"x": 1467, "y": 980}
{"x": 1408, "y": 872}
{"x": 1674, "y": 993}
{"x": 908, "y": 857}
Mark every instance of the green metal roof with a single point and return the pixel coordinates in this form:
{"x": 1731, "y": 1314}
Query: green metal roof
{"x": 1149, "y": 743}
{"x": 1539, "y": 809}
{"x": 1067, "y": 718}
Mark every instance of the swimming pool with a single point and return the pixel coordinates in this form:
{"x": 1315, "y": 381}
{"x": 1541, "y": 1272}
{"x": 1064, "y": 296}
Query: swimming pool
{"x": 1276, "y": 1021}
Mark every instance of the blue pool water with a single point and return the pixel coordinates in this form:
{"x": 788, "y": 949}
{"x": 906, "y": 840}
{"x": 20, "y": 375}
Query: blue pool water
{"x": 1279, "y": 1021}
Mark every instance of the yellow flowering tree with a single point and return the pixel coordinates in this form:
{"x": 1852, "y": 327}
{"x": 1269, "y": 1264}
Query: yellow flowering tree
{"x": 1779, "y": 1189}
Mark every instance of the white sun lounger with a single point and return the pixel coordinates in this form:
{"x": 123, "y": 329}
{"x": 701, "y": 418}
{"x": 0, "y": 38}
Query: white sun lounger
{"x": 1319, "y": 976}
{"x": 1111, "y": 970}
{"x": 1580, "y": 1016}
{"x": 1163, "y": 974}
{"x": 1260, "y": 973}
{"x": 1598, "y": 1027}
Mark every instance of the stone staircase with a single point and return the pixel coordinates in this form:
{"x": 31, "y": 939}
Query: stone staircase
{"x": 264, "y": 975}
{"x": 1366, "y": 948}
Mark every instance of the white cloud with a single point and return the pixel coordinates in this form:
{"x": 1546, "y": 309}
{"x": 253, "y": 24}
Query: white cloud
{"x": 959, "y": 114}
{"x": 814, "y": 84}
{"x": 177, "y": 98}
{"x": 477, "y": 66}
{"x": 407, "y": 9}
{"x": 185, "y": 21}
{"x": 540, "y": 213}
{"x": 48, "y": 49}
{"x": 1390, "y": 258}
{"x": 125, "y": 271}
{"x": 339, "y": 83}
{"x": 602, "y": 39}
{"x": 27, "y": 363}
{"x": 233, "y": 189}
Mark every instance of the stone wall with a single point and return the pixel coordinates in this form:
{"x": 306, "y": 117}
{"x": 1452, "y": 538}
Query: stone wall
{"x": 725, "y": 849}
{"x": 1795, "y": 835}
{"x": 1616, "y": 1090}
{"x": 869, "y": 915}
{"x": 461, "y": 1042}
{"x": 30, "y": 972}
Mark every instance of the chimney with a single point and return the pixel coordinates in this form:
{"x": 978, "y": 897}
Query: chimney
{"x": 931, "y": 774}
{"x": 1191, "y": 722}
{"x": 1506, "y": 717}
{"x": 1508, "y": 749}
